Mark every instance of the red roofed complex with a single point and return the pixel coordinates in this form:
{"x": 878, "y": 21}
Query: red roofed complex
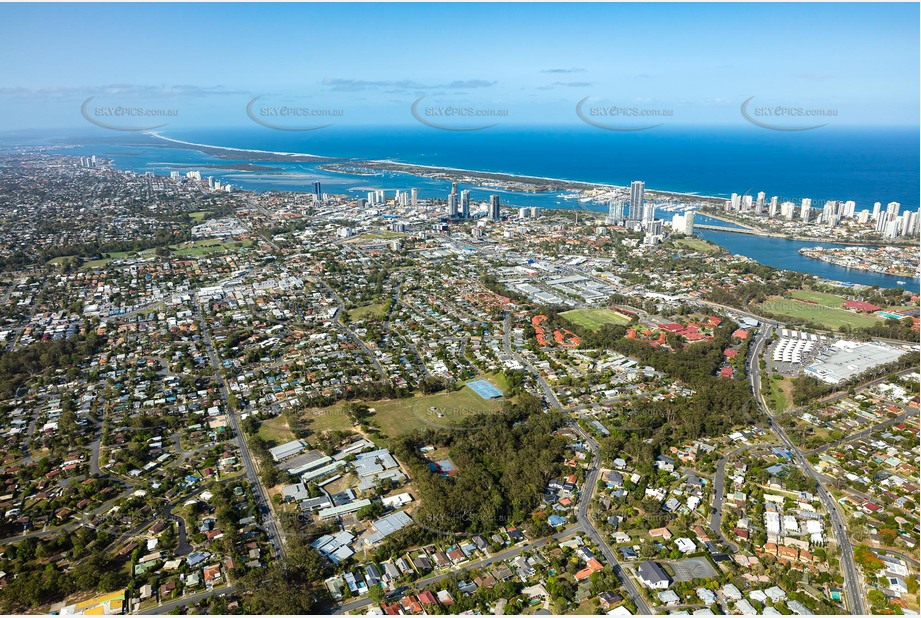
{"x": 859, "y": 305}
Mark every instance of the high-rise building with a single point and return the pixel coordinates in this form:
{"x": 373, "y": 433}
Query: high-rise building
{"x": 876, "y": 208}
{"x": 452, "y": 205}
{"x": 735, "y": 201}
{"x": 760, "y": 202}
{"x": 637, "y": 188}
{"x": 774, "y": 207}
{"x": 683, "y": 224}
{"x": 649, "y": 213}
{"x": 465, "y": 204}
{"x": 805, "y": 209}
{"x": 494, "y": 208}
{"x": 317, "y": 193}
{"x": 891, "y": 229}
{"x": 414, "y": 198}
{"x": 863, "y": 216}
{"x": 746, "y": 203}
{"x": 616, "y": 209}
{"x": 849, "y": 207}
{"x": 892, "y": 210}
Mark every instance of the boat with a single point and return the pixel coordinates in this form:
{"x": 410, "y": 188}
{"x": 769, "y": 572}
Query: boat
{"x": 901, "y": 282}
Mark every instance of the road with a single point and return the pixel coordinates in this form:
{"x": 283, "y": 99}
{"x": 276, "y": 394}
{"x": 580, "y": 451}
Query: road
{"x": 262, "y": 502}
{"x": 590, "y": 482}
{"x": 582, "y": 515}
{"x": 853, "y": 584}
{"x": 719, "y": 481}
{"x": 355, "y": 338}
{"x": 484, "y": 562}
{"x": 169, "y": 606}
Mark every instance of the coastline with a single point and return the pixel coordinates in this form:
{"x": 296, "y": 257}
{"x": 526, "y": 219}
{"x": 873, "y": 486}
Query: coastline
{"x": 217, "y": 150}
{"x": 408, "y": 168}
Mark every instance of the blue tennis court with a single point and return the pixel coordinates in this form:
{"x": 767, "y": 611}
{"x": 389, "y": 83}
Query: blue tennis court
{"x": 484, "y": 389}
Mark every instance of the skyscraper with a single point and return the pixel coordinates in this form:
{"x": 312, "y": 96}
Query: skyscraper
{"x": 414, "y": 197}
{"x": 892, "y": 210}
{"x": 465, "y": 204}
{"x": 876, "y": 207}
{"x": 494, "y": 210}
{"x": 317, "y": 193}
{"x": 637, "y": 187}
{"x": 649, "y": 213}
{"x": 616, "y": 210}
{"x": 452, "y": 205}
{"x": 805, "y": 209}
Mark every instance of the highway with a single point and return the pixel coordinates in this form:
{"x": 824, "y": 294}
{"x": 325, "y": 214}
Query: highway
{"x": 853, "y": 584}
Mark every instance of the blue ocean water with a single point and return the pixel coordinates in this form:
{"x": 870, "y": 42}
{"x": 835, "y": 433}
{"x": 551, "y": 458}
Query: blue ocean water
{"x": 832, "y": 163}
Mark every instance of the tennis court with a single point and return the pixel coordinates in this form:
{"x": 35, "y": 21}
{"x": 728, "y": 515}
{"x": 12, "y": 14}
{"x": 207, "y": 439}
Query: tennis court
{"x": 484, "y": 389}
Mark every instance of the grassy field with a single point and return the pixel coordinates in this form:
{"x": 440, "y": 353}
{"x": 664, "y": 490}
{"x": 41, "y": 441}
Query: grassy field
{"x": 198, "y": 215}
{"x": 781, "y": 395}
{"x": 827, "y": 317}
{"x": 697, "y": 244}
{"x": 203, "y": 247}
{"x": 828, "y": 300}
{"x": 593, "y": 319}
{"x": 376, "y": 311}
{"x": 275, "y": 430}
{"x": 400, "y": 416}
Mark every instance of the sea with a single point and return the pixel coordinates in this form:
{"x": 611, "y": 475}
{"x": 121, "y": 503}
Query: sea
{"x": 863, "y": 164}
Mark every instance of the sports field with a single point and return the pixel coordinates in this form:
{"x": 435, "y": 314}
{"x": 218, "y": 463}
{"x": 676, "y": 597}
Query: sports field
{"x": 593, "y": 319}
{"x": 823, "y": 316}
{"x": 829, "y": 300}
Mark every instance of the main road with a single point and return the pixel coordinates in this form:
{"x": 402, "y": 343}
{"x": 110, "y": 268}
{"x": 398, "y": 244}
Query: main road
{"x": 852, "y": 578}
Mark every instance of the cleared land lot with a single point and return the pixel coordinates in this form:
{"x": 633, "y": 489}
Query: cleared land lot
{"x": 375, "y": 312}
{"x": 822, "y": 316}
{"x": 691, "y": 568}
{"x": 593, "y": 319}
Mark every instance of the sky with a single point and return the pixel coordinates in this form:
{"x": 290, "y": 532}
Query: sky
{"x": 527, "y": 63}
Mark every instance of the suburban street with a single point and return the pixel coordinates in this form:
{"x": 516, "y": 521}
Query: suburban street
{"x": 262, "y": 502}
{"x": 852, "y": 578}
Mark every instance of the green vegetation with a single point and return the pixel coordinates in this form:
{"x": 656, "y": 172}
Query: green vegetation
{"x": 198, "y": 215}
{"x": 291, "y": 586}
{"x": 593, "y": 319}
{"x": 275, "y": 430}
{"x": 697, "y": 244}
{"x": 828, "y": 300}
{"x": 778, "y": 395}
{"x": 376, "y": 311}
{"x": 819, "y": 315}
{"x": 503, "y": 462}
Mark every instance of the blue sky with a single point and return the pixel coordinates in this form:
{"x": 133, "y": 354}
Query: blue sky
{"x": 535, "y": 62}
